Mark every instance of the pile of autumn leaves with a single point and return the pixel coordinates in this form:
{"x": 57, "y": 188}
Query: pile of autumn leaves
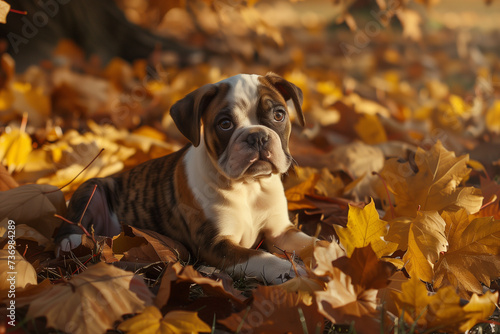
{"x": 434, "y": 228}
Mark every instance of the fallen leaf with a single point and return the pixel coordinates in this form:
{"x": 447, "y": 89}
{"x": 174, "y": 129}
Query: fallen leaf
{"x": 440, "y": 311}
{"x": 479, "y": 308}
{"x": 15, "y": 146}
{"x": 6, "y": 181}
{"x": 296, "y": 195}
{"x": 473, "y": 255}
{"x": 25, "y": 232}
{"x": 4, "y": 11}
{"x": 177, "y": 273}
{"x": 90, "y": 302}
{"x": 493, "y": 117}
{"x": 435, "y": 186}
{"x": 410, "y": 20}
{"x": 359, "y": 160}
{"x": 426, "y": 240}
{"x": 275, "y": 310}
{"x": 35, "y": 206}
{"x": 167, "y": 249}
{"x": 324, "y": 255}
{"x": 365, "y": 268}
{"x": 364, "y": 227}
{"x": 370, "y": 130}
{"x": 344, "y": 302}
{"x": 14, "y": 271}
{"x": 152, "y": 321}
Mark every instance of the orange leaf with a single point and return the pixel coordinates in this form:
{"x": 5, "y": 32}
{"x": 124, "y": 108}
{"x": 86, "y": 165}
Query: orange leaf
{"x": 436, "y": 184}
{"x": 473, "y": 254}
{"x": 441, "y": 311}
{"x": 426, "y": 241}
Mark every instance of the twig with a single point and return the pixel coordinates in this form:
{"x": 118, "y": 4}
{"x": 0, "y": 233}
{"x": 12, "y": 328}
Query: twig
{"x": 289, "y": 259}
{"x": 88, "y": 165}
{"x": 87, "y": 206}
{"x": 22, "y": 12}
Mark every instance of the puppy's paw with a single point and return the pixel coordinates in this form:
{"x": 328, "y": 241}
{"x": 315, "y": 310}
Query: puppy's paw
{"x": 68, "y": 243}
{"x": 266, "y": 268}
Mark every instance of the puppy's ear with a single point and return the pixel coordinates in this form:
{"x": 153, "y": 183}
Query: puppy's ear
{"x": 289, "y": 91}
{"x": 187, "y": 112}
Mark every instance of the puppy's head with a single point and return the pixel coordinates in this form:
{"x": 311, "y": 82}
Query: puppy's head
{"x": 243, "y": 122}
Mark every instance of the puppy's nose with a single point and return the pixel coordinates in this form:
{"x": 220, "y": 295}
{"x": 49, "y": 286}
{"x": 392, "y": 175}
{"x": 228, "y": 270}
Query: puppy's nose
{"x": 258, "y": 139}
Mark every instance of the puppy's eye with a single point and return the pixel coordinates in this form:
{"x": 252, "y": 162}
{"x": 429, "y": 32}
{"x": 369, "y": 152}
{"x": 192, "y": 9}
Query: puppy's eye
{"x": 225, "y": 124}
{"x": 279, "y": 115}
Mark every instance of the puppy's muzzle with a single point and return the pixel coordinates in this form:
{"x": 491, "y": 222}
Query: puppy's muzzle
{"x": 258, "y": 139}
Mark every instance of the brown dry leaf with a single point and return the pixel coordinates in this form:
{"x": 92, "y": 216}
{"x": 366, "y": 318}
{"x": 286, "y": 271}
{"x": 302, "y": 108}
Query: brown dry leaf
{"x": 344, "y": 302}
{"x": 275, "y": 310}
{"x": 473, "y": 255}
{"x": 177, "y": 273}
{"x": 151, "y": 321}
{"x": 90, "y": 302}
{"x": 6, "y": 181}
{"x": 366, "y": 269}
{"x": 364, "y": 227}
{"x": 35, "y": 206}
{"x": 426, "y": 240}
{"x": 25, "y": 232}
{"x": 491, "y": 202}
{"x": 434, "y": 187}
{"x": 167, "y": 249}
{"x": 359, "y": 160}
{"x": 14, "y": 270}
{"x": 4, "y": 11}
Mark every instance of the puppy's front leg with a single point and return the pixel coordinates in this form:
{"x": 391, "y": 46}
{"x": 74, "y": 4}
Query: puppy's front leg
{"x": 289, "y": 238}
{"x": 241, "y": 261}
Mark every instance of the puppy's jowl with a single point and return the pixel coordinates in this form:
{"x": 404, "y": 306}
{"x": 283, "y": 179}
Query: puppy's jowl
{"x": 220, "y": 195}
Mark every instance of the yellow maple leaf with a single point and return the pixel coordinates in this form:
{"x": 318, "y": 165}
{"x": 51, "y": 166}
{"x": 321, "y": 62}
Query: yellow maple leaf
{"x": 473, "y": 254}
{"x": 151, "y": 321}
{"x": 364, "y": 227}
{"x": 15, "y": 146}
{"x": 435, "y": 186}
{"x": 441, "y": 311}
{"x": 426, "y": 241}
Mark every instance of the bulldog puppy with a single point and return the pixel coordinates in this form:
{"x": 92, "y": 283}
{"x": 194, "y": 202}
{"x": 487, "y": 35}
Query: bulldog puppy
{"x": 221, "y": 195}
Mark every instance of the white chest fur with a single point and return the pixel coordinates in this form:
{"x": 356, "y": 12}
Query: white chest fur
{"x": 240, "y": 209}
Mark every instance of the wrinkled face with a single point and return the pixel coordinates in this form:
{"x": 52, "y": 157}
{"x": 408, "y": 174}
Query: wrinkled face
{"x": 246, "y": 128}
